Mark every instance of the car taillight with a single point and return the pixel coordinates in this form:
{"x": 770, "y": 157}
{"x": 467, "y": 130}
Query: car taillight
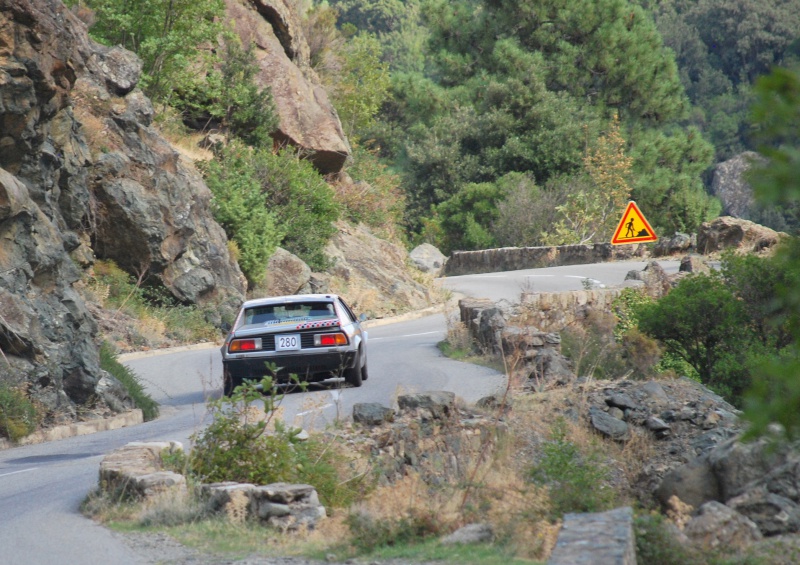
{"x": 244, "y": 345}
{"x": 330, "y": 339}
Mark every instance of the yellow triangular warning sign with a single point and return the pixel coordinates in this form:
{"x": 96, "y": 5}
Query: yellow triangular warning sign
{"x": 633, "y": 228}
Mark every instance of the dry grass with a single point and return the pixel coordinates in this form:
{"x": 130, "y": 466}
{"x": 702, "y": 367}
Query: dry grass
{"x": 187, "y": 142}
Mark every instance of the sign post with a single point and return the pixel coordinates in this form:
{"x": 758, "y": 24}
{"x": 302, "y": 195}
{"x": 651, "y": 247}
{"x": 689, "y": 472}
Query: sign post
{"x": 633, "y": 227}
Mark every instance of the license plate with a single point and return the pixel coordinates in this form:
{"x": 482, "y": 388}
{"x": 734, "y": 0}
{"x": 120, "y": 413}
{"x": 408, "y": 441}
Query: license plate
{"x": 288, "y": 342}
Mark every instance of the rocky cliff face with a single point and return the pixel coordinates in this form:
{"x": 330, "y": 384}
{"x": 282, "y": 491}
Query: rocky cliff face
{"x": 84, "y": 175}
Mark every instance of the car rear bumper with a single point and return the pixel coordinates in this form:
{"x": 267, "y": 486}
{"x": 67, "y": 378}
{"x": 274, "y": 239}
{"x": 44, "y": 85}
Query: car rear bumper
{"x": 306, "y": 367}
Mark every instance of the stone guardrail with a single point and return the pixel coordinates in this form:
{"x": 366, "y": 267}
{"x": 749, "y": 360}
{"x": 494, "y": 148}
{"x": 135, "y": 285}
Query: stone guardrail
{"x": 516, "y": 258}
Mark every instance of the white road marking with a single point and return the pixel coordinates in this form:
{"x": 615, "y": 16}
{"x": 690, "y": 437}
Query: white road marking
{"x": 323, "y": 407}
{"x": 399, "y": 336}
{"x": 18, "y": 472}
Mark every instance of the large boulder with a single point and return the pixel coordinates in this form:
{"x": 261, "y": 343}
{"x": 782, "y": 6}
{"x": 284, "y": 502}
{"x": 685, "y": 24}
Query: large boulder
{"x": 742, "y": 235}
{"x": 428, "y": 259}
{"x": 308, "y": 120}
{"x": 730, "y": 186}
{"x": 286, "y": 274}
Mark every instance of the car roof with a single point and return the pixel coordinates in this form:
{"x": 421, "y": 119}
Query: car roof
{"x": 289, "y": 299}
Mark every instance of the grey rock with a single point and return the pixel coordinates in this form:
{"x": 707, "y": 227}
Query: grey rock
{"x": 470, "y": 534}
{"x": 717, "y": 526}
{"x": 774, "y": 514}
{"x": 372, "y": 414}
{"x": 727, "y": 232}
{"x": 603, "y": 537}
{"x": 731, "y": 187}
{"x": 428, "y": 259}
{"x": 286, "y": 274}
{"x": 440, "y": 405}
{"x": 693, "y": 264}
{"x": 693, "y": 483}
{"x": 608, "y": 425}
{"x": 621, "y": 400}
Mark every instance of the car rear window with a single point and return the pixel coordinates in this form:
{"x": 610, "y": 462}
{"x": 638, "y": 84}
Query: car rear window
{"x": 275, "y": 313}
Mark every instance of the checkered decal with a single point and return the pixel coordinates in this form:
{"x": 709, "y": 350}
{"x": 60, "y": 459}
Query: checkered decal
{"x": 320, "y": 324}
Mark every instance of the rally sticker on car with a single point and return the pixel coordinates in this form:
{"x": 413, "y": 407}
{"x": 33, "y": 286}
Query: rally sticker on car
{"x": 320, "y": 324}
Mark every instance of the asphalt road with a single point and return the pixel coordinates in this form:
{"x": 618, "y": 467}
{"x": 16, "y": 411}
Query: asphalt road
{"x": 42, "y": 486}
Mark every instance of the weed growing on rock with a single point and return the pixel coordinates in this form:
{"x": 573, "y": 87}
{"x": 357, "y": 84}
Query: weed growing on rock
{"x": 18, "y": 415}
{"x": 577, "y": 480}
{"x": 129, "y": 380}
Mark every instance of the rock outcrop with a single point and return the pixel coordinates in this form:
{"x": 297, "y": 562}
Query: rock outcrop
{"x": 371, "y": 273}
{"x": 744, "y": 236}
{"x": 730, "y": 186}
{"x": 308, "y": 120}
{"x": 83, "y": 174}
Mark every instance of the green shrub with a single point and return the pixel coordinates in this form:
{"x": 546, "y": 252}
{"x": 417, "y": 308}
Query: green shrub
{"x": 129, "y": 380}
{"x": 578, "y": 481}
{"x": 302, "y": 201}
{"x": 702, "y": 322}
{"x": 370, "y": 533}
{"x": 18, "y": 415}
{"x": 240, "y": 207}
{"x": 238, "y": 445}
{"x": 656, "y": 545}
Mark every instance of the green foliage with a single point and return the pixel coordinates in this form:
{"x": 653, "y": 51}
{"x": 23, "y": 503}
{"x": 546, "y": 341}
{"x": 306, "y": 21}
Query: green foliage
{"x": 375, "y": 199}
{"x": 578, "y": 481}
{"x": 228, "y": 97}
{"x": 526, "y": 212}
{"x": 129, "y": 380}
{"x": 165, "y": 35}
{"x": 263, "y": 200}
{"x": 303, "y": 203}
{"x": 362, "y": 84}
{"x": 775, "y": 395}
{"x": 717, "y": 343}
{"x": 667, "y": 182}
{"x": 370, "y": 533}
{"x": 236, "y": 445}
{"x": 240, "y": 208}
{"x": 246, "y": 443}
{"x": 657, "y": 544}
{"x": 149, "y": 300}
{"x": 18, "y": 415}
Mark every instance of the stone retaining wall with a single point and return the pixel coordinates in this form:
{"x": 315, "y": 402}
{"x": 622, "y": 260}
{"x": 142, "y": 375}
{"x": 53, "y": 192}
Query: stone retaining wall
{"x": 554, "y": 311}
{"x": 516, "y": 258}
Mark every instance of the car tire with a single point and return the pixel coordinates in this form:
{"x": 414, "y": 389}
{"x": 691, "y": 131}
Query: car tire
{"x": 229, "y": 383}
{"x": 364, "y": 372}
{"x": 353, "y": 375}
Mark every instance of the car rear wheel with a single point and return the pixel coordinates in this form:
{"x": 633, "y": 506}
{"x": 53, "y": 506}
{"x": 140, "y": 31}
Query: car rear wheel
{"x": 354, "y": 375}
{"x": 229, "y": 382}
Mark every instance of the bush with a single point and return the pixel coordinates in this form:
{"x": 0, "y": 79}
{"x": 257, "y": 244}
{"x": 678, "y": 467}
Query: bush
{"x": 247, "y": 444}
{"x": 370, "y": 533}
{"x": 302, "y": 202}
{"x": 18, "y": 415}
{"x": 702, "y": 322}
{"x": 577, "y": 481}
{"x": 129, "y": 380}
{"x": 656, "y": 545}
{"x": 240, "y": 207}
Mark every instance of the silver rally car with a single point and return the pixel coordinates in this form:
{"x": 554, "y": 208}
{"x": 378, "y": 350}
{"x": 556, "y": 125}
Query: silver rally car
{"x": 312, "y": 336}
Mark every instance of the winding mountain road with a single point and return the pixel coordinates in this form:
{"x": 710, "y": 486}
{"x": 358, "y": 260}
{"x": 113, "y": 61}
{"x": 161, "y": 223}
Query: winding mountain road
{"x": 42, "y": 486}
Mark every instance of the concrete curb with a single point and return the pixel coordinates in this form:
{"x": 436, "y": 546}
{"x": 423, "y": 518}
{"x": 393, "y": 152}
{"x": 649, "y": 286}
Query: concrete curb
{"x": 78, "y": 429}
